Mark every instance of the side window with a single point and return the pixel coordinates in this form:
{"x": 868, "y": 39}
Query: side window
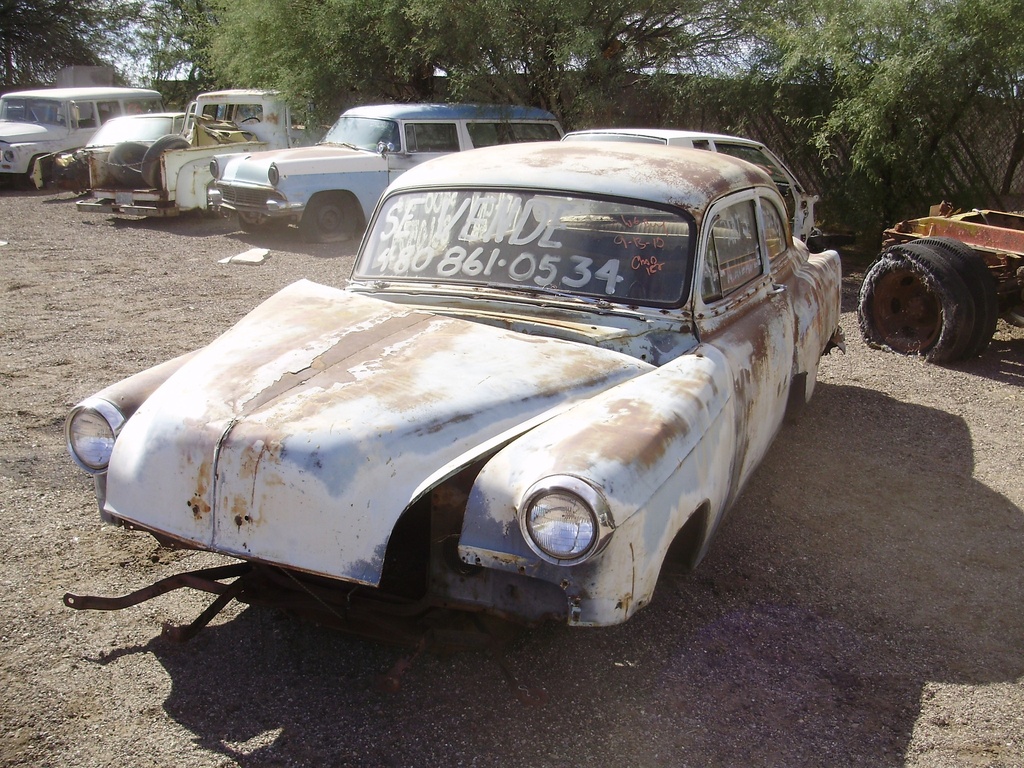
{"x": 774, "y": 229}
{"x": 488, "y": 134}
{"x": 86, "y": 114}
{"x": 107, "y": 109}
{"x": 252, "y": 113}
{"x": 431, "y": 137}
{"x": 732, "y": 258}
{"x": 485, "y": 134}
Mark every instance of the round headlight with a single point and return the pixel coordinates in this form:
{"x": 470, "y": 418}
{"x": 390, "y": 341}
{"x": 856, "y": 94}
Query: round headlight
{"x": 90, "y": 430}
{"x": 273, "y": 175}
{"x": 565, "y": 520}
{"x": 215, "y": 168}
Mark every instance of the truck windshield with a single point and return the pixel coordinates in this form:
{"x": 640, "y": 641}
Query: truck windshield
{"x": 45, "y": 111}
{"x": 364, "y": 133}
{"x": 616, "y": 250}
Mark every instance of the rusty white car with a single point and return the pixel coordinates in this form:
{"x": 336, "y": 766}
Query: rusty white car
{"x": 551, "y": 362}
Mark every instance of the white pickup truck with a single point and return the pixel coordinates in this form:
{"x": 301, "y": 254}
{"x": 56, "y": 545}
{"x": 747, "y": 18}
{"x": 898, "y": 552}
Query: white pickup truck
{"x": 175, "y": 169}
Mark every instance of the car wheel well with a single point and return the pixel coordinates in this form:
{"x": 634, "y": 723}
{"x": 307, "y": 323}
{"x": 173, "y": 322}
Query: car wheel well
{"x": 332, "y": 216}
{"x": 685, "y": 551}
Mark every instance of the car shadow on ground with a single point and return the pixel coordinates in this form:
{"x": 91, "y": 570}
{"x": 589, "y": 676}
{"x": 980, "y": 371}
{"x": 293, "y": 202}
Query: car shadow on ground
{"x": 862, "y": 564}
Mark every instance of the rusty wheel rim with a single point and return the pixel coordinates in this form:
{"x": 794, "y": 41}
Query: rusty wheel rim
{"x": 907, "y": 313}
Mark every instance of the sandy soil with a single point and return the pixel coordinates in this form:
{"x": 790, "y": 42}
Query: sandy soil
{"x": 864, "y": 606}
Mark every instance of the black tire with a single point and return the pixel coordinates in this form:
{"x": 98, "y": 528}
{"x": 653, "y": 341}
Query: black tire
{"x": 124, "y": 162}
{"x": 150, "y": 169}
{"x": 913, "y": 301}
{"x": 331, "y": 217}
{"x": 979, "y": 281}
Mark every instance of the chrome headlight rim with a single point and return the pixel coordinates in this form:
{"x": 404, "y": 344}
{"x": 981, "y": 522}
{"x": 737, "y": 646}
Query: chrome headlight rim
{"x": 114, "y": 420}
{"x": 215, "y": 168}
{"x": 593, "y": 501}
{"x": 273, "y": 175}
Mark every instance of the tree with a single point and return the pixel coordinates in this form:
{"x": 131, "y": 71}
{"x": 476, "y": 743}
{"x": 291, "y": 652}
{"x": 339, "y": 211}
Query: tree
{"x": 570, "y": 56}
{"x": 170, "y": 50}
{"x": 904, "y": 75}
{"x": 38, "y": 38}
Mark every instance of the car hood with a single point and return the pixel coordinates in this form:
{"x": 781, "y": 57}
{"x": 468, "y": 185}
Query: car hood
{"x": 14, "y": 133}
{"x": 301, "y": 435}
{"x": 324, "y": 158}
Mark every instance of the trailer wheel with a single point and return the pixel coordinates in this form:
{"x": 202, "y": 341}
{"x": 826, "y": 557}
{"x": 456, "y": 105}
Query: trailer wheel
{"x": 979, "y": 281}
{"x": 151, "y": 160}
{"x": 331, "y": 217}
{"x": 914, "y": 302}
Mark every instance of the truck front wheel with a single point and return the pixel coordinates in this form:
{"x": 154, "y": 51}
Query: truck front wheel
{"x": 331, "y": 217}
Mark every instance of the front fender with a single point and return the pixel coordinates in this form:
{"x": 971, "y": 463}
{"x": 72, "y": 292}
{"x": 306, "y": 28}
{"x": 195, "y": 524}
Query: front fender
{"x": 658, "y": 447}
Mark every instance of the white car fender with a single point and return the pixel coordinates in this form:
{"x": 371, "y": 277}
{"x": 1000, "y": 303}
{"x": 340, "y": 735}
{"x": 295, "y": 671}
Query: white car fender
{"x": 664, "y": 437}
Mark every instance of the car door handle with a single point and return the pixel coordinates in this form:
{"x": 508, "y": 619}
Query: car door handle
{"x": 777, "y": 288}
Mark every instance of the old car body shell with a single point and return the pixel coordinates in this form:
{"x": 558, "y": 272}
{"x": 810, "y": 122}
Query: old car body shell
{"x": 302, "y": 435}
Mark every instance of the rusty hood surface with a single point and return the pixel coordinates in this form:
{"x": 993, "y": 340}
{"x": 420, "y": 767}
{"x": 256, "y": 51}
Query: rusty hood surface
{"x": 301, "y": 435}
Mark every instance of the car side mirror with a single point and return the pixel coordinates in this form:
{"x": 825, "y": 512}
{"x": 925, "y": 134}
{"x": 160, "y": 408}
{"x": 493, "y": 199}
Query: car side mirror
{"x": 384, "y": 149}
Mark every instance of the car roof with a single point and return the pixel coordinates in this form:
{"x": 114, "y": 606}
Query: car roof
{"x": 665, "y": 135}
{"x": 449, "y": 112}
{"x": 146, "y": 115}
{"x": 234, "y": 94}
{"x": 685, "y": 178}
{"x": 85, "y": 93}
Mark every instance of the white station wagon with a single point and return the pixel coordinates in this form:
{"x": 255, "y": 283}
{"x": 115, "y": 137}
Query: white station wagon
{"x": 552, "y": 361}
{"x": 799, "y": 202}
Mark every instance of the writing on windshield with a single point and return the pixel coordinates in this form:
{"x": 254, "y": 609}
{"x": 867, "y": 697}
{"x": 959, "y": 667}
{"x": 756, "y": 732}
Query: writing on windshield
{"x": 618, "y": 251}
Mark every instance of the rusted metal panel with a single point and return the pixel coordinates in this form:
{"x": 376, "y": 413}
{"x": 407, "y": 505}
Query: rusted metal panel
{"x": 685, "y": 178}
{"x": 988, "y": 230}
{"x": 306, "y": 449}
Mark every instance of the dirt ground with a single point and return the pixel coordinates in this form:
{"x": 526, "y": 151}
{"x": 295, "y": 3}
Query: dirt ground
{"x": 864, "y": 605}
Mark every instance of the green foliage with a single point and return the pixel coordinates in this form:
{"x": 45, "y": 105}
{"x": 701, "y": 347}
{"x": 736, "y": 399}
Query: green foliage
{"x": 171, "y": 45}
{"x": 902, "y": 75}
{"x": 39, "y": 38}
{"x": 573, "y": 58}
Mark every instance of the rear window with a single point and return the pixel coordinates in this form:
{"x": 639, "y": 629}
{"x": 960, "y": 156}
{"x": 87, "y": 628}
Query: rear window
{"x": 620, "y": 251}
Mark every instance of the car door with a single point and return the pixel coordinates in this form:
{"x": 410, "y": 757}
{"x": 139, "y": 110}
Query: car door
{"x": 748, "y": 318}
{"x": 423, "y": 141}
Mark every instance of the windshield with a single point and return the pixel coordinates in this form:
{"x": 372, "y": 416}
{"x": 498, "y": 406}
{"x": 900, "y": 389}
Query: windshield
{"x": 135, "y": 129}
{"x": 363, "y": 132}
{"x": 24, "y": 110}
{"x": 618, "y": 251}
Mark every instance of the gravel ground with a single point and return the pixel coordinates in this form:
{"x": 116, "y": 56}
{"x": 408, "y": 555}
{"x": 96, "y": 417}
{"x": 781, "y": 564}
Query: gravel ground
{"x": 862, "y": 607}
